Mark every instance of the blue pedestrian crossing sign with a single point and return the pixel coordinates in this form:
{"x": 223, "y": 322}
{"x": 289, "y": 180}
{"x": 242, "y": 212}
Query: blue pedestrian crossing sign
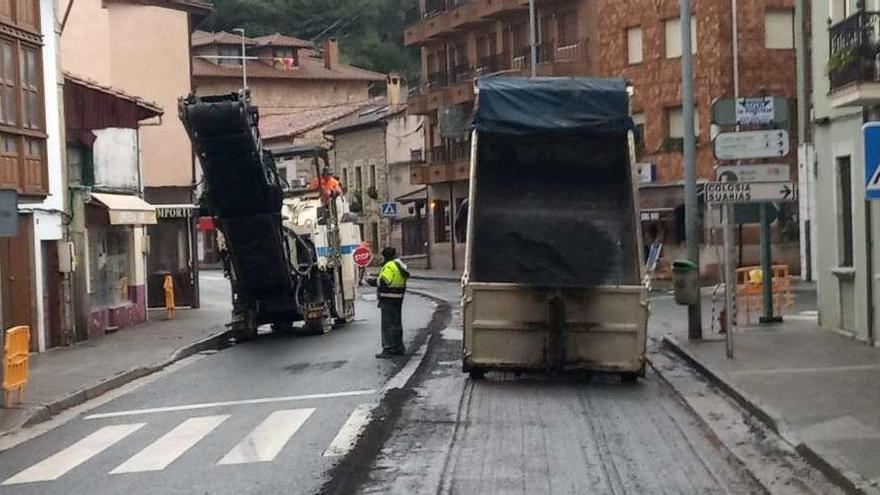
{"x": 871, "y": 131}
{"x": 389, "y": 209}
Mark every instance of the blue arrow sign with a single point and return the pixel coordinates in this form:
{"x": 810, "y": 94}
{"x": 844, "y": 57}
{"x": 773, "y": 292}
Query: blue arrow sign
{"x": 871, "y": 132}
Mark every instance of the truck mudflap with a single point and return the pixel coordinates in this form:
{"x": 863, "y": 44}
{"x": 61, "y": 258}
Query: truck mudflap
{"x": 515, "y": 327}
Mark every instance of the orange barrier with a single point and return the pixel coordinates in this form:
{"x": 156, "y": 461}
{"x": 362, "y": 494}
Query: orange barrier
{"x": 15, "y": 363}
{"x": 750, "y": 286}
{"x": 169, "y": 296}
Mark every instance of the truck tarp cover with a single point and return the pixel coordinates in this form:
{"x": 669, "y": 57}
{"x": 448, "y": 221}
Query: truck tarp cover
{"x": 552, "y": 105}
{"x": 554, "y": 209}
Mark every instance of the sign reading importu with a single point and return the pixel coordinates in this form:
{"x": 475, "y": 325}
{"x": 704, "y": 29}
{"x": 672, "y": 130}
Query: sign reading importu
{"x": 749, "y": 192}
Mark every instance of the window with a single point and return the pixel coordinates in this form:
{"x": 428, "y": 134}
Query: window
{"x": 634, "y": 45}
{"x": 675, "y": 122}
{"x": 345, "y": 178}
{"x": 779, "y": 29}
{"x": 282, "y": 172}
{"x": 373, "y": 176}
{"x": 840, "y": 9}
{"x": 8, "y": 100}
{"x": 844, "y": 177}
{"x": 673, "y": 37}
{"x": 22, "y": 141}
{"x": 358, "y": 179}
{"x": 520, "y": 38}
{"x": 234, "y": 52}
{"x": 639, "y": 121}
{"x": 374, "y": 236}
{"x": 545, "y": 35}
{"x": 23, "y": 13}
{"x": 441, "y": 220}
{"x": 567, "y": 27}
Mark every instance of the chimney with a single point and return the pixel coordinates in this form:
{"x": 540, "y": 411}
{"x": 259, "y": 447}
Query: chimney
{"x": 331, "y": 54}
{"x": 394, "y": 92}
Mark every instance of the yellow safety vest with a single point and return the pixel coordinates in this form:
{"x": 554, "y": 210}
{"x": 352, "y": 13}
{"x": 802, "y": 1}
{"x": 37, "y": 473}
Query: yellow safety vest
{"x": 394, "y": 279}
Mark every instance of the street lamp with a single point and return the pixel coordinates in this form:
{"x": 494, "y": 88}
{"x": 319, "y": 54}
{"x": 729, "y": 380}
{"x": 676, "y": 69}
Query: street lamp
{"x": 244, "y": 83}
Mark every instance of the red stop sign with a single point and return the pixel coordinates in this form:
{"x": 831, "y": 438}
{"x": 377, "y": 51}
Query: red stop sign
{"x": 362, "y": 256}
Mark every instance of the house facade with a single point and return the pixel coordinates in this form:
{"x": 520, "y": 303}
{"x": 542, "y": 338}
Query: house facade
{"x": 845, "y": 89}
{"x": 372, "y": 152}
{"x": 98, "y": 45}
{"x": 31, "y": 163}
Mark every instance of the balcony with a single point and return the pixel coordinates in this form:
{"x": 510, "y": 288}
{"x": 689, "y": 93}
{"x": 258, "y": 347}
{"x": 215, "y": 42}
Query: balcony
{"x": 447, "y": 163}
{"x": 854, "y": 60}
{"x": 443, "y": 18}
{"x": 554, "y": 59}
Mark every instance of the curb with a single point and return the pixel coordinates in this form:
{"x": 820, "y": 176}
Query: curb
{"x": 435, "y": 278}
{"x": 836, "y": 471}
{"x": 46, "y": 411}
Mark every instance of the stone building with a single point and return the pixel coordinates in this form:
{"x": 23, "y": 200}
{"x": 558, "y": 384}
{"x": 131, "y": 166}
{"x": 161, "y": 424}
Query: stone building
{"x": 372, "y": 152}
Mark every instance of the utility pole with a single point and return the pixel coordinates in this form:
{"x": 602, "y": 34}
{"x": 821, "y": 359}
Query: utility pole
{"x": 533, "y": 40}
{"x": 244, "y": 84}
{"x": 692, "y": 219}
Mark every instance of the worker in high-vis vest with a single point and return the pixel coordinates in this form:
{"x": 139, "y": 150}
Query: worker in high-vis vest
{"x": 391, "y": 284}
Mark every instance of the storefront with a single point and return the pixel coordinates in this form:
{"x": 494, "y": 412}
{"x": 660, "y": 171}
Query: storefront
{"x": 116, "y": 282}
{"x": 171, "y": 253}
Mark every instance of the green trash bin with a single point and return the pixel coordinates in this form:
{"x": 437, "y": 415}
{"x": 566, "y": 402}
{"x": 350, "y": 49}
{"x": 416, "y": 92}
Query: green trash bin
{"x": 686, "y": 282}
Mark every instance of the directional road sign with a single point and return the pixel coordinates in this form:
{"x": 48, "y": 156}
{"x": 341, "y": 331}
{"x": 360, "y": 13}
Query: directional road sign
{"x": 764, "y": 172}
{"x": 761, "y": 110}
{"x": 772, "y": 143}
{"x": 389, "y": 209}
{"x": 871, "y": 132}
{"x": 749, "y": 192}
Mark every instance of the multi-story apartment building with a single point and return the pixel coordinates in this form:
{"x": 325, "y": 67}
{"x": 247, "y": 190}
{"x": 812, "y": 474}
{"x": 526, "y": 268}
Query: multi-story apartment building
{"x": 641, "y": 42}
{"x": 845, "y": 82}
{"x": 463, "y": 39}
{"x": 637, "y": 40}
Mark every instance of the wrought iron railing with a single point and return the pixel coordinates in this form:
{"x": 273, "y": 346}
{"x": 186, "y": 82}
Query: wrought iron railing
{"x": 854, "y": 52}
{"x": 450, "y": 152}
{"x": 550, "y": 52}
{"x": 460, "y": 73}
{"x": 493, "y": 63}
{"x": 437, "y": 80}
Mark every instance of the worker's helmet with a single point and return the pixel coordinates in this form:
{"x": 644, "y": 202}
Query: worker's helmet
{"x": 327, "y": 172}
{"x": 389, "y": 253}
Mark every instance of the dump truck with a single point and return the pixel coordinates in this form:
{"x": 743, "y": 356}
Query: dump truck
{"x": 553, "y": 277}
{"x": 287, "y": 252}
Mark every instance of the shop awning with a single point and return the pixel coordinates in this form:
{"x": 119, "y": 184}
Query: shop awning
{"x": 417, "y": 195}
{"x": 126, "y": 209}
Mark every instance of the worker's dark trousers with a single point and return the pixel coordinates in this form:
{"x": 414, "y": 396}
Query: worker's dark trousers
{"x": 392, "y": 328}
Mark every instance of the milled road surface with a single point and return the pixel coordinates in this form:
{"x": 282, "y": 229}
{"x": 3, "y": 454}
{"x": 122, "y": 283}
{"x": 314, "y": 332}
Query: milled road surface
{"x": 539, "y": 435}
{"x": 268, "y": 416}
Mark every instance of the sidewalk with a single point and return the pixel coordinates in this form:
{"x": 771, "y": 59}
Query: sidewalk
{"x": 815, "y": 388}
{"x": 440, "y": 275}
{"x": 68, "y": 376}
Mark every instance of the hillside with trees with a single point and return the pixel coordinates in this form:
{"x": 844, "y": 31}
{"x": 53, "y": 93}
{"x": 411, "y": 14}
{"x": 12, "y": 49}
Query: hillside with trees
{"x": 370, "y": 32}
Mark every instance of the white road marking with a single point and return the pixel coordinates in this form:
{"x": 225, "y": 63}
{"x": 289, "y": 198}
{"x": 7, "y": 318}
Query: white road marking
{"x": 267, "y": 439}
{"x": 208, "y": 405}
{"x": 350, "y": 431}
{"x": 58, "y": 464}
{"x": 399, "y": 380}
{"x": 161, "y": 453}
{"x": 17, "y": 437}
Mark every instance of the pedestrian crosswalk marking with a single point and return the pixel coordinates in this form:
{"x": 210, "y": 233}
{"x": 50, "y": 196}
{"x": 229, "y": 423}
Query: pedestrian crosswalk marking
{"x": 207, "y": 405}
{"x": 161, "y": 453}
{"x": 350, "y": 431}
{"x": 267, "y": 439}
{"x": 56, "y": 465}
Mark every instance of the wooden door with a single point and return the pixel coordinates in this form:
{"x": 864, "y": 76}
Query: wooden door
{"x": 52, "y": 295}
{"x": 16, "y": 256}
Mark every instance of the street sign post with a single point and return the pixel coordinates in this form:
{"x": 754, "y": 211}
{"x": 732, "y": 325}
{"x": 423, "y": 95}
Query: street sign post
{"x": 764, "y": 172}
{"x": 389, "y": 209}
{"x": 760, "y": 110}
{"x": 871, "y": 134}
{"x": 751, "y": 144}
{"x": 749, "y": 192}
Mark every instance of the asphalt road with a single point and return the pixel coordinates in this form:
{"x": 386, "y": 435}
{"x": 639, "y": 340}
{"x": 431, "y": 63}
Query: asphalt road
{"x": 269, "y": 416}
